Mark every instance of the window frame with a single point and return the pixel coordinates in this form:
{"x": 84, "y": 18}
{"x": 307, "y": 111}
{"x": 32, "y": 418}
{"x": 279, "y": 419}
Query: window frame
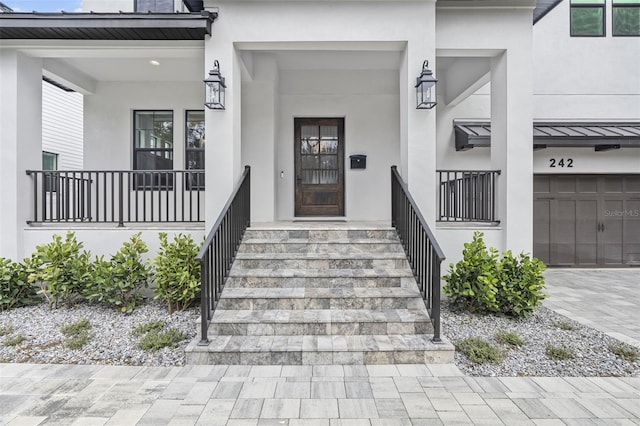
{"x": 158, "y": 182}
{"x": 622, "y": 5}
{"x": 50, "y": 180}
{"x": 191, "y": 183}
{"x": 602, "y": 5}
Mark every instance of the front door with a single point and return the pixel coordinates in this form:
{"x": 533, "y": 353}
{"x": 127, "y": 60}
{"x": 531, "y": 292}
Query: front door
{"x": 319, "y": 166}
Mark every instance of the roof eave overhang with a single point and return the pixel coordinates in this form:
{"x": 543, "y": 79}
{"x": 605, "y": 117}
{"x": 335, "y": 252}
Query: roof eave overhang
{"x": 106, "y": 26}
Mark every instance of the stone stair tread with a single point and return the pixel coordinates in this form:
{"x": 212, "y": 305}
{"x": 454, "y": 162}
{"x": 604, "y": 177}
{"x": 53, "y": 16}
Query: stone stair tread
{"x": 268, "y": 316}
{"x": 314, "y": 292}
{"x": 372, "y": 241}
{"x": 321, "y": 256}
{"x": 394, "y": 342}
{"x": 320, "y": 273}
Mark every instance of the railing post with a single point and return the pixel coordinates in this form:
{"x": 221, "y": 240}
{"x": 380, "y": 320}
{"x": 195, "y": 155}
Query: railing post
{"x": 120, "y": 201}
{"x": 435, "y": 299}
{"x": 204, "y": 301}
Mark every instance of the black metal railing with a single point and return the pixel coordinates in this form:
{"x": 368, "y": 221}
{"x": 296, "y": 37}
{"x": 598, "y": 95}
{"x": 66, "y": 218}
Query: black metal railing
{"x": 219, "y": 249}
{"x": 467, "y": 195}
{"x": 422, "y": 250}
{"x": 117, "y": 196}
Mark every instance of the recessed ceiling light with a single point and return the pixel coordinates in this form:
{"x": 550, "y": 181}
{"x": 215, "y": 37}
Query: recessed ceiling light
{"x": 154, "y": 62}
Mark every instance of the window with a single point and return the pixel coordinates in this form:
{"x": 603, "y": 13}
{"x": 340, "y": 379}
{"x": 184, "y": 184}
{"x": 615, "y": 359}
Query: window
{"x": 587, "y": 18}
{"x": 153, "y": 148}
{"x": 626, "y": 17}
{"x": 194, "y": 148}
{"x": 50, "y": 162}
{"x": 162, "y": 6}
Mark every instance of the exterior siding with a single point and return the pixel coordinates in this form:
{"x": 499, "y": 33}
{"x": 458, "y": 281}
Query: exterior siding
{"x": 62, "y": 131}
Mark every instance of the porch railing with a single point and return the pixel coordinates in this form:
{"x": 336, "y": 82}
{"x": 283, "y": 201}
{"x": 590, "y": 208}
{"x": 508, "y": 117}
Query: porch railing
{"x": 117, "y": 196}
{"x": 467, "y": 195}
{"x": 422, "y": 250}
{"x": 220, "y": 248}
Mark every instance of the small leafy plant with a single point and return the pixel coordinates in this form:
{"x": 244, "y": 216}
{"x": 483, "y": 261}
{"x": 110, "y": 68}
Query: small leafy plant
{"x": 154, "y": 336}
{"x": 5, "y": 329}
{"x": 62, "y": 268}
{"x": 15, "y": 288}
{"x": 14, "y": 340}
{"x": 565, "y": 325}
{"x": 76, "y": 334}
{"x": 509, "y": 338}
{"x": 559, "y": 353}
{"x": 479, "y": 350}
{"x": 484, "y": 282}
{"x": 177, "y": 272}
{"x": 624, "y": 351}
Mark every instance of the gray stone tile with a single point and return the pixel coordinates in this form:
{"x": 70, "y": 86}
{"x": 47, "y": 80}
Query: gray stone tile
{"x": 319, "y": 408}
{"x": 262, "y": 389}
{"x": 418, "y": 406}
{"x": 328, "y": 390}
{"x": 227, "y": 390}
{"x": 567, "y": 408}
{"x": 357, "y": 408}
{"x": 26, "y": 420}
{"x": 248, "y": 408}
{"x": 293, "y": 390}
{"x": 391, "y": 408}
{"x": 358, "y": 389}
{"x": 282, "y": 408}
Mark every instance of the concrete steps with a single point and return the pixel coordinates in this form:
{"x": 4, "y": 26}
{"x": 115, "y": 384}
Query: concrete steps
{"x": 327, "y": 295}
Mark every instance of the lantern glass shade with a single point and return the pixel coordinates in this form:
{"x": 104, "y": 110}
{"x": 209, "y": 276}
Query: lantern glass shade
{"x": 426, "y": 89}
{"x": 214, "y": 89}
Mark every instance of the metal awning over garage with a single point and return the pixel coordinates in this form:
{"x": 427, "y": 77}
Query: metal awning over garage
{"x": 106, "y": 26}
{"x": 600, "y": 136}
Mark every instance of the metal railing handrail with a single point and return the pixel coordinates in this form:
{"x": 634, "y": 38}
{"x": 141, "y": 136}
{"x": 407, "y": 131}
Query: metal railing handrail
{"x": 467, "y": 195}
{"x": 420, "y": 245}
{"x": 220, "y": 247}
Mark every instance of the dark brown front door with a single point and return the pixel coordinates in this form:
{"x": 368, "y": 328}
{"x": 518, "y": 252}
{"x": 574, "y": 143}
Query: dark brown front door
{"x": 319, "y": 158}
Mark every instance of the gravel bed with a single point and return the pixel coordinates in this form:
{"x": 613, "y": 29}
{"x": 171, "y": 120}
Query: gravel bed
{"x": 111, "y": 339}
{"x": 591, "y": 353}
{"x": 113, "y": 343}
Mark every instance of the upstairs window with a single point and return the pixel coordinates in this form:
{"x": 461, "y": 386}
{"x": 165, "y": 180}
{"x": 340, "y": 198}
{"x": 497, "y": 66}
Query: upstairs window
{"x": 50, "y": 162}
{"x": 626, "y": 18}
{"x": 194, "y": 148}
{"x": 587, "y": 18}
{"x": 153, "y": 148}
{"x": 158, "y": 6}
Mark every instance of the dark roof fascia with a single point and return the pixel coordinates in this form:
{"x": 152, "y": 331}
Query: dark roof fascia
{"x": 465, "y": 140}
{"x": 543, "y": 7}
{"x": 107, "y": 26}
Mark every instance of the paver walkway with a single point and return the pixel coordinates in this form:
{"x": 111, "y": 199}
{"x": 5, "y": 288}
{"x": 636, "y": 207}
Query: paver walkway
{"x": 605, "y": 299}
{"x": 329, "y": 395}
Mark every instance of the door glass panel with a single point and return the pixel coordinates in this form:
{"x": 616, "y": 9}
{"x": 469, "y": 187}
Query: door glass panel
{"x": 310, "y": 162}
{"x": 328, "y": 139}
{"x": 329, "y": 162}
{"x": 309, "y": 139}
{"x": 328, "y": 177}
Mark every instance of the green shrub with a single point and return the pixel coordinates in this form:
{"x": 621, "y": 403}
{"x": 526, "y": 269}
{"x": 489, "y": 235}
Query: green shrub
{"x": 484, "y": 282}
{"x": 120, "y": 281}
{"x": 565, "y": 325}
{"x": 5, "y": 329}
{"x": 509, "y": 337}
{"x": 15, "y": 288}
{"x": 479, "y": 350}
{"x": 177, "y": 272}
{"x": 62, "y": 268}
{"x": 14, "y": 340}
{"x": 558, "y": 352}
{"x": 624, "y": 351}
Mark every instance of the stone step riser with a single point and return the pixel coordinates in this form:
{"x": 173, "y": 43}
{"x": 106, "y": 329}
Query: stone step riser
{"x": 279, "y": 264}
{"x": 321, "y": 357}
{"x": 320, "y": 328}
{"x": 287, "y": 303}
{"x": 321, "y": 235}
{"x": 318, "y": 282}
{"x": 317, "y": 248}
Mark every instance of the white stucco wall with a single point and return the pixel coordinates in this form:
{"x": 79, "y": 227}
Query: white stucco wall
{"x": 108, "y": 119}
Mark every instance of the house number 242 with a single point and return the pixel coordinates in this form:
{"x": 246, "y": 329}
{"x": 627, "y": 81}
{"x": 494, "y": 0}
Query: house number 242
{"x": 561, "y": 162}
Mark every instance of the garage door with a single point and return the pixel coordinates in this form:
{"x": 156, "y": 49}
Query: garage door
{"x": 587, "y": 220}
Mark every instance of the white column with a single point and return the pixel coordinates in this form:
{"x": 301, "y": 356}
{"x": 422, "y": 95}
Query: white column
{"x": 223, "y": 128}
{"x": 512, "y": 146}
{"x": 420, "y": 173}
{"x": 20, "y": 145}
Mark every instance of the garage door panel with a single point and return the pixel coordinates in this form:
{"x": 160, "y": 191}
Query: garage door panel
{"x": 542, "y": 229}
{"x": 611, "y": 234}
{"x": 564, "y": 185}
{"x": 542, "y": 185}
{"x": 564, "y": 246}
{"x": 612, "y": 184}
{"x": 632, "y": 184}
{"x": 587, "y": 185}
{"x": 587, "y": 232}
{"x": 631, "y": 232}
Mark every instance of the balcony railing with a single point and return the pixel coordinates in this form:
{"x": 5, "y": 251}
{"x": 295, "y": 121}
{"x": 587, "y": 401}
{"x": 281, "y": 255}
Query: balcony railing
{"x": 219, "y": 249}
{"x": 117, "y": 196}
{"x": 467, "y": 195}
{"x": 422, "y": 250}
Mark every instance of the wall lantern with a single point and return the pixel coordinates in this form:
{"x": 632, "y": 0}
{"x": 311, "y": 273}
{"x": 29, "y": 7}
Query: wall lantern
{"x": 214, "y": 88}
{"x": 426, "y": 88}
